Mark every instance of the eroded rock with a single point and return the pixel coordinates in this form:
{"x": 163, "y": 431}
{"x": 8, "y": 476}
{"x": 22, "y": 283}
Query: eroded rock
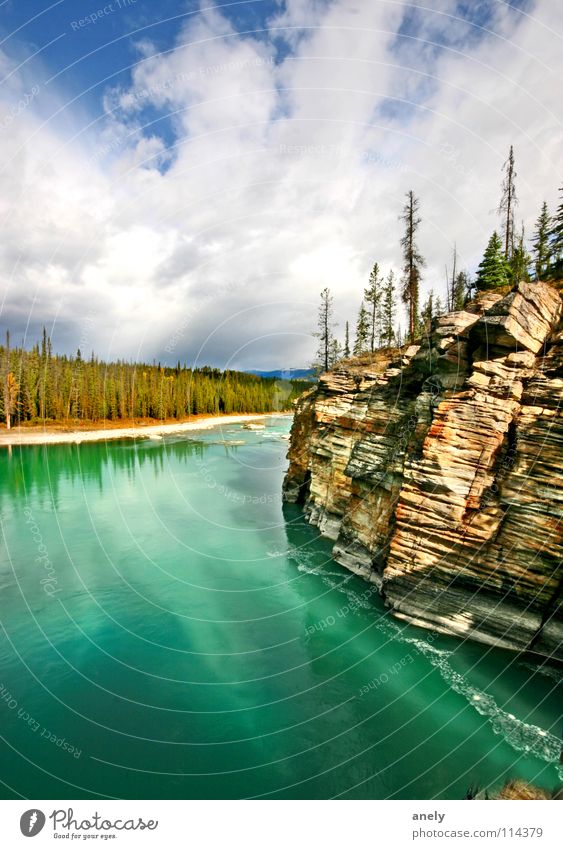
{"x": 436, "y": 473}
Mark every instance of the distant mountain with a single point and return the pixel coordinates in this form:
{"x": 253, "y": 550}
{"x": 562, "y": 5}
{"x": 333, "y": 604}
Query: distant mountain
{"x": 286, "y": 374}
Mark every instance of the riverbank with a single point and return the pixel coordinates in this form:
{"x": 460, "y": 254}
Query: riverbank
{"x": 110, "y": 430}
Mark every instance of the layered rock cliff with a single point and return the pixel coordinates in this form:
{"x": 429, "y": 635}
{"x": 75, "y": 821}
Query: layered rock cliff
{"x": 435, "y": 470}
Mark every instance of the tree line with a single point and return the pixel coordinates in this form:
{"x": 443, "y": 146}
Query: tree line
{"x": 506, "y": 261}
{"x": 39, "y": 387}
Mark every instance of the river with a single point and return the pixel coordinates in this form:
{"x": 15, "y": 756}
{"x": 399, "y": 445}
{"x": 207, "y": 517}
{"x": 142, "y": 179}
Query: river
{"x": 171, "y": 630}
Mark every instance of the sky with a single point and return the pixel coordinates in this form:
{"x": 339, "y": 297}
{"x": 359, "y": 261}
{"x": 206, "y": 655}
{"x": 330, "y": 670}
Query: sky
{"x": 180, "y": 180}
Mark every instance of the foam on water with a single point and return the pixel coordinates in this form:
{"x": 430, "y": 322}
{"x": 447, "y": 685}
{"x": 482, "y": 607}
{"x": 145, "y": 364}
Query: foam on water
{"x": 522, "y": 736}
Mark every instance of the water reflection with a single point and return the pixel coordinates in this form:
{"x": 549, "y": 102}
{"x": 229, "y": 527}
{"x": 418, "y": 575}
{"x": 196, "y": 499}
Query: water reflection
{"x": 39, "y": 469}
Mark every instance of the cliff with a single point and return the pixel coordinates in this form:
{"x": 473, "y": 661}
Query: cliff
{"x": 435, "y": 470}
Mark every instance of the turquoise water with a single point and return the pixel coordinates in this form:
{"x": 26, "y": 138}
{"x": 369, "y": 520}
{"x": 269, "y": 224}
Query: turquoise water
{"x": 170, "y": 631}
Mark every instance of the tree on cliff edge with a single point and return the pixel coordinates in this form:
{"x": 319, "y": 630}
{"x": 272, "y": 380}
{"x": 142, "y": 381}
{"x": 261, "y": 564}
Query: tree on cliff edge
{"x": 361, "y": 345}
{"x": 520, "y": 261}
{"x": 346, "y": 351}
{"x": 427, "y": 312}
{"x": 388, "y": 308}
{"x": 493, "y": 270}
{"x": 325, "y": 331}
{"x": 335, "y": 352}
{"x": 413, "y": 261}
{"x": 541, "y": 245}
{"x": 372, "y": 296}
{"x": 508, "y": 202}
{"x": 557, "y": 241}
{"x": 462, "y": 290}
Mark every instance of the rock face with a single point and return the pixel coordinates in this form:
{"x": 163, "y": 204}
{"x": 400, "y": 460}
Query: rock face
{"x": 435, "y": 470}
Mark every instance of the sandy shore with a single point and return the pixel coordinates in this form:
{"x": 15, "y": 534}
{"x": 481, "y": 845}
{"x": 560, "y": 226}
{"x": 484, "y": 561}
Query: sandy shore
{"x": 49, "y": 436}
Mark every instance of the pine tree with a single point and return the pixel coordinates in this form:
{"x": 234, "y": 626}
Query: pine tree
{"x": 347, "y": 341}
{"x": 10, "y": 386}
{"x": 413, "y": 261}
{"x": 427, "y": 312}
{"x": 93, "y": 390}
{"x": 508, "y": 204}
{"x": 372, "y": 295}
{"x": 519, "y": 265}
{"x": 325, "y": 332}
{"x": 10, "y": 398}
{"x": 438, "y": 307}
{"x": 335, "y": 352}
{"x": 388, "y": 308}
{"x": 361, "y": 344}
{"x": 557, "y": 241}
{"x": 541, "y": 244}
{"x": 492, "y": 271}
{"x": 462, "y": 290}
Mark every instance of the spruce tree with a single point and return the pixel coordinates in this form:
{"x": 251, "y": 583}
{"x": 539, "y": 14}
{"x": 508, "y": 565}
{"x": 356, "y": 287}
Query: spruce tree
{"x": 361, "y": 345}
{"x": 519, "y": 265}
{"x": 413, "y": 261}
{"x": 557, "y": 241}
{"x": 462, "y": 290}
{"x": 427, "y": 312}
{"x": 335, "y": 352}
{"x": 493, "y": 270}
{"x": 372, "y": 295}
{"x": 325, "y": 331}
{"x": 388, "y": 308}
{"x": 541, "y": 244}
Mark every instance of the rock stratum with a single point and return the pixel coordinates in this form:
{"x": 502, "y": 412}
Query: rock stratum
{"x": 435, "y": 470}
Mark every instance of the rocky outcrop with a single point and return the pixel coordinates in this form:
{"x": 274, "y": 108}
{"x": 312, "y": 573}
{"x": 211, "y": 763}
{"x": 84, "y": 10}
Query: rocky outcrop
{"x": 435, "y": 470}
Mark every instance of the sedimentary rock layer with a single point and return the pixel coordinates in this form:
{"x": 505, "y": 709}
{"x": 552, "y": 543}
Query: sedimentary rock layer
{"x": 435, "y": 470}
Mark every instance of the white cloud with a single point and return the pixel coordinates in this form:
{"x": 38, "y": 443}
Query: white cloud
{"x": 288, "y": 174}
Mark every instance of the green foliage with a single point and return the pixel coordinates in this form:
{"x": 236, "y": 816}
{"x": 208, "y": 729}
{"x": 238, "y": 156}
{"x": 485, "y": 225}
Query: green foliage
{"x": 412, "y": 261}
{"x": 427, "y": 312}
{"x": 493, "y": 270}
{"x": 44, "y": 387}
{"x": 335, "y": 353}
{"x": 556, "y": 239}
{"x": 541, "y": 244}
{"x": 520, "y": 261}
{"x": 372, "y": 296}
{"x": 361, "y": 345}
{"x": 325, "y": 332}
{"x": 388, "y": 310}
{"x": 462, "y": 290}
